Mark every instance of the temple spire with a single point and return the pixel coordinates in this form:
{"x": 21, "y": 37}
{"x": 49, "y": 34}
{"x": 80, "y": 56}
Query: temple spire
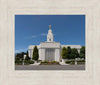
{"x": 50, "y": 35}
{"x": 49, "y": 26}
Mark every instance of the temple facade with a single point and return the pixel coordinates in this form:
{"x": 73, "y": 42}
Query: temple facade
{"x": 50, "y": 50}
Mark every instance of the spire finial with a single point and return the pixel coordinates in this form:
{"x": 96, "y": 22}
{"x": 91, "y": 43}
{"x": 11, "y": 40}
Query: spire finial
{"x": 49, "y": 26}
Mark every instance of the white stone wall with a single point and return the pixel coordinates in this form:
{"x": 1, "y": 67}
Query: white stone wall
{"x": 42, "y": 54}
{"x": 57, "y": 55}
{"x": 50, "y": 45}
{"x": 55, "y": 45}
{"x": 30, "y": 52}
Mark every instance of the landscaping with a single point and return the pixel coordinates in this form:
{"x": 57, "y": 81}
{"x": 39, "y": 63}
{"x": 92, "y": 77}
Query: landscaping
{"x": 20, "y": 59}
{"x": 69, "y": 55}
{"x": 79, "y": 62}
{"x": 49, "y": 63}
{"x": 17, "y": 62}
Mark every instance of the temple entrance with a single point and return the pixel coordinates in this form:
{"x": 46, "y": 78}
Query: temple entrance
{"x": 50, "y": 54}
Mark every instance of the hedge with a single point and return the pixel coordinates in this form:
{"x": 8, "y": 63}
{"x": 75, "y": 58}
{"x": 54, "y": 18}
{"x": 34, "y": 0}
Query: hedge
{"x": 73, "y": 62}
{"x": 25, "y": 61}
{"x": 28, "y": 62}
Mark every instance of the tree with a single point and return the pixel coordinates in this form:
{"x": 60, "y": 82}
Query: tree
{"x": 35, "y": 53}
{"x": 20, "y": 56}
{"x": 64, "y": 53}
{"x": 68, "y": 52}
{"x": 27, "y": 57}
{"x": 74, "y": 53}
{"x": 82, "y": 52}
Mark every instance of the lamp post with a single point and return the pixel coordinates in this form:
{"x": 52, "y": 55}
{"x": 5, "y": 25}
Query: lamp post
{"x": 75, "y": 61}
{"x": 24, "y": 59}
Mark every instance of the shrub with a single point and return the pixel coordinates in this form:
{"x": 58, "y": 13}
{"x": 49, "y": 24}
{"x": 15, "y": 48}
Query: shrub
{"x": 81, "y": 61}
{"x": 18, "y": 62}
{"x": 39, "y": 60}
{"x": 73, "y": 62}
{"x": 45, "y": 61}
{"x": 31, "y": 62}
{"x": 26, "y": 62}
{"x": 55, "y": 62}
{"x": 68, "y": 62}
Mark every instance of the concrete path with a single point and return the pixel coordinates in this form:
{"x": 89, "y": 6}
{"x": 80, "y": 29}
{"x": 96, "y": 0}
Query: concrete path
{"x": 61, "y": 63}
{"x": 50, "y": 67}
{"x": 36, "y": 63}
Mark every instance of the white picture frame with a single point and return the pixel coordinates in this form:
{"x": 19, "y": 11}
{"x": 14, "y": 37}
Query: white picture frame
{"x": 10, "y": 76}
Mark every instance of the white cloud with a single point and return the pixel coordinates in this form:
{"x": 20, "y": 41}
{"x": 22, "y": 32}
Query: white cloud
{"x": 43, "y": 34}
{"x": 35, "y": 36}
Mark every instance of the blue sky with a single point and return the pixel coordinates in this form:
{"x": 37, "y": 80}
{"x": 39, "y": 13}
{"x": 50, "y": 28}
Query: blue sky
{"x": 32, "y": 29}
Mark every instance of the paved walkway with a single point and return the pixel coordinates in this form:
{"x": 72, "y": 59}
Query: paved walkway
{"x": 50, "y": 67}
{"x": 61, "y": 63}
{"x": 36, "y": 63}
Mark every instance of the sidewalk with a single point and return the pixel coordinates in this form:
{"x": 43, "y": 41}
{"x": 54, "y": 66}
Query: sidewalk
{"x": 61, "y": 63}
{"x": 36, "y": 63}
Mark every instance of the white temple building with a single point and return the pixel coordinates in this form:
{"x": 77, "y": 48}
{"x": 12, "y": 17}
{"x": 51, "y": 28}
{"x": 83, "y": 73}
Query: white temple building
{"x": 50, "y": 50}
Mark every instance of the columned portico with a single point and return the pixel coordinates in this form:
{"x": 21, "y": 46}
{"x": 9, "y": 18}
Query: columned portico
{"x": 50, "y": 54}
{"x": 50, "y": 51}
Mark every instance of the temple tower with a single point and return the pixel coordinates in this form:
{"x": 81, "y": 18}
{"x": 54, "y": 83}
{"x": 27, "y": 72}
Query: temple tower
{"x": 50, "y": 35}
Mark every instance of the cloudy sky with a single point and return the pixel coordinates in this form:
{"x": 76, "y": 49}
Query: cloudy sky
{"x": 32, "y": 29}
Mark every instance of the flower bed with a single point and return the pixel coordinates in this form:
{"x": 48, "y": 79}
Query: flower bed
{"x": 49, "y": 63}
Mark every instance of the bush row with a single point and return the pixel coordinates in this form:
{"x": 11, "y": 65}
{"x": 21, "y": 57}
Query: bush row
{"x": 26, "y": 62}
{"x": 47, "y": 62}
{"x": 73, "y": 62}
{"x": 18, "y": 61}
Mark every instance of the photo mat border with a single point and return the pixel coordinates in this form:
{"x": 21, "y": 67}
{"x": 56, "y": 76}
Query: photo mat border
{"x": 63, "y": 77}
